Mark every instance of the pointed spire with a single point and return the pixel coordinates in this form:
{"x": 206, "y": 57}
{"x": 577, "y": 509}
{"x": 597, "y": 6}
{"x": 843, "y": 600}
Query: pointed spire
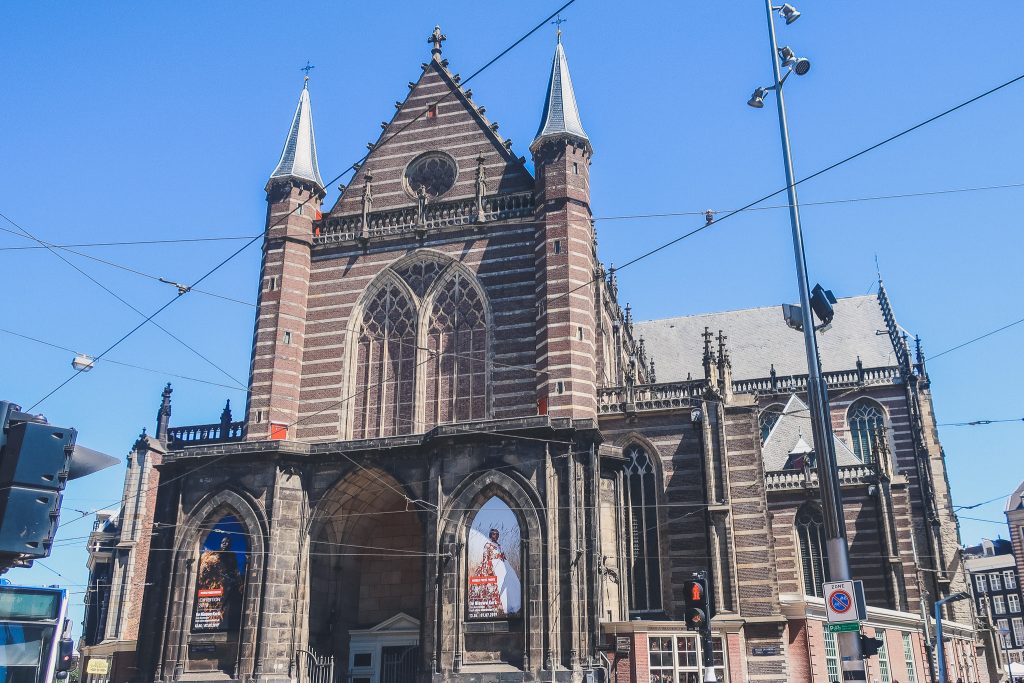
{"x": 298, "y": 158}
{"x": 163, "y": 416}
{"x": 561, "y": 115}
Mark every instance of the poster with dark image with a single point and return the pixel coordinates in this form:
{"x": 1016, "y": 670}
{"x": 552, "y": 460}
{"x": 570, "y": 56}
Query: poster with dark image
{"x": 495, "y": 590}
{"x": 220, "y": 577}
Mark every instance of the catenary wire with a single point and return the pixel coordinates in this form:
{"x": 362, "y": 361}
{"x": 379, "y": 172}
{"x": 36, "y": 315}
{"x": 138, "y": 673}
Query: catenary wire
{"x": 979, "y": 338}
{"x": 43, "y": 244}
{"x": 126, "y": 303}
{"x": 121, "y": 363}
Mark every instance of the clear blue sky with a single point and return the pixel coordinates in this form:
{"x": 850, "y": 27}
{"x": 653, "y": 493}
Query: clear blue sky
{"x": 132, "y": 121}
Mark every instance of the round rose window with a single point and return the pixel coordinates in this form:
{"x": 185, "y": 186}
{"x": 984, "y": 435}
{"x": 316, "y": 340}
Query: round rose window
{"x": 435, "y": 172}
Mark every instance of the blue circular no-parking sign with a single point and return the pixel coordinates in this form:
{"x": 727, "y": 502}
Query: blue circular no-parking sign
{"x": 840, "y": 601}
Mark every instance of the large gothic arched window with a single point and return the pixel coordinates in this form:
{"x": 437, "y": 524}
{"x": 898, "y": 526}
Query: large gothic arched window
{"x": 457, "y": 343}
{"x": 385, "y": 365}
{"x": 767, "y": 419}
{"x": 642, "y": 537}
{"x": 810, "y": 534}
{"x": 866, "y": 424}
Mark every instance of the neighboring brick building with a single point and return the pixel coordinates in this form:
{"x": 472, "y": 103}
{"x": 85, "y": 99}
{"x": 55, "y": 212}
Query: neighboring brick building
{"x": 460, "y": 463}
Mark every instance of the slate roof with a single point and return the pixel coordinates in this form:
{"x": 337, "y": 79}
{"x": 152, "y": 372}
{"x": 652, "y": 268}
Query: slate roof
{"x": 792, "y": 434}
{"x": 298, "y": 158}
{"x": 1016, "y": 499}
{"x": 561, "y": 115}
{"x": 759, "y": 338}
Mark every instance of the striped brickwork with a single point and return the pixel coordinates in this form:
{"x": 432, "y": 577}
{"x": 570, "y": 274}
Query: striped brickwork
{"x": 278, "y": 340}
{"x": 565, "y": 266}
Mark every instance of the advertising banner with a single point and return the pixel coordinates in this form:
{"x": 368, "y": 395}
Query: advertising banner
{"x": 221, "y": 572}
{"x": 494, "y": 587}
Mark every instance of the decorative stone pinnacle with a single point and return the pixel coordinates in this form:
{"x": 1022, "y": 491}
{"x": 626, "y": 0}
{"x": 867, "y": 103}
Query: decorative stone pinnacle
{"x": 436, "y": 38}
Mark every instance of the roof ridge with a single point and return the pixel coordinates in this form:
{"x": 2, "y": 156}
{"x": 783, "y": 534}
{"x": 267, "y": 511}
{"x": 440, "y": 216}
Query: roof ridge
{"x": 743, "y": 310}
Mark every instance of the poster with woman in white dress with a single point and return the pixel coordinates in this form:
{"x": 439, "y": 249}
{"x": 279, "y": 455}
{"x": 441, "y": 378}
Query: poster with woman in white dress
{"x": 495, "y": 591}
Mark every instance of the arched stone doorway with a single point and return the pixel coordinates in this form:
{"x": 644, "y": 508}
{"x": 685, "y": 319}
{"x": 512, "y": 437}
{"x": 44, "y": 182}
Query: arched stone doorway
{"x": 366, "y": 566}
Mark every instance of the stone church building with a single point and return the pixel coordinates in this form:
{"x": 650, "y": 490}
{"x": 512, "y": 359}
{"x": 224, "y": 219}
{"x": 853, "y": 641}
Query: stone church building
{"x": 463, "y": 460}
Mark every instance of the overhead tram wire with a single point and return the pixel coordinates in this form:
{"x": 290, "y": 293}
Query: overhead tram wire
{"x": 976, "y": 339}
{"x": 338, "y": 177}
{"x": 126, "y": 303}
{"x": 817, "y": 173}
{"x": 123, "y": 364}
{"x": 43, "y": 244}
{"x": 639, "y": 216}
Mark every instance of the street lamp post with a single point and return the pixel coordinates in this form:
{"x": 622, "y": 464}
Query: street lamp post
{"x": 817, "y": 391}
{"x": 940, "y": 647}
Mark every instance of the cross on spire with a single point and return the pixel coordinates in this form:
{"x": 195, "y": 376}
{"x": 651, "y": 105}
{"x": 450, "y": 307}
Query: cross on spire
{"x": 309, "y": 67}
{"x": 436, "y": 38}
{"x": 557, "y": 23}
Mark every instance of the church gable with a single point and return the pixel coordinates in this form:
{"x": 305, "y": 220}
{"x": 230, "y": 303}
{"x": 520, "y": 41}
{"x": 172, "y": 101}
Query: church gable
{"x": 440, "y": 150}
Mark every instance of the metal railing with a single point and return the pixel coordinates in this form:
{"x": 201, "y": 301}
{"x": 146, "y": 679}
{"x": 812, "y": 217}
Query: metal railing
{"x": 313, "y": 668}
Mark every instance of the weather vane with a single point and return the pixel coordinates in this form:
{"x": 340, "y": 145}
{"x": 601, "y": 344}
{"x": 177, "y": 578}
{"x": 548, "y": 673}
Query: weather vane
{"x": 309, "y": 67}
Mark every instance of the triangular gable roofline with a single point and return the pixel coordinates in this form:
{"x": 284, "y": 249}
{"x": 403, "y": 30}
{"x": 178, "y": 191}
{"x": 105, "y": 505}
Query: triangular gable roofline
{"x": 399, "y": 622}
{"x": 449, "y": 79}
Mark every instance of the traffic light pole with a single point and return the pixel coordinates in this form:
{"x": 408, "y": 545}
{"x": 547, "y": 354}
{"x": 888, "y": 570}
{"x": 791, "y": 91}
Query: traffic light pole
{"x": 817, "y": 391}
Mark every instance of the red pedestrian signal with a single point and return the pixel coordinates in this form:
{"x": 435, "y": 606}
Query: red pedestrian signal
{"x": 698, "y": 610}
{"x": 696, "y": 592}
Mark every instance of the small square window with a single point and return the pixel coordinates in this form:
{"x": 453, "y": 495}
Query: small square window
{"x": 579, "y": 333}
{"x": 299, "y": 210}
{"x": 559, "y": 388}
{"x": 258, "y": 417}
{"x": 575, "y": 168}
{"x": 287, "y": 337}
{"x": 272, "y": 283}
{"x": 558, "y": 246}
{"x": 361, "y": 659}
{"x": 432, "y": 111}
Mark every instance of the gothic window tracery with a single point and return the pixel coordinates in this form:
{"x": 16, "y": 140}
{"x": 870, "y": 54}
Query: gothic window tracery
{"x": 419, "y": 275}
{"x": 457, "y": 343}
{"x": 435, "y": 172}
{"x": 642, "y": 531}
{"x": 385, "y": 365}
{"x": 866, "y": 422}
{"x": 810, "y": 533}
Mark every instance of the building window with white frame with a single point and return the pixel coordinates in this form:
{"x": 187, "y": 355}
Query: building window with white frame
{"x": 995, "y": 581}
{"x": 980, "y": 583}
{"x": 908, "y": 657}
{"x": 677, "y": 658}
{"x": 1009, "y": 578}
{"x": 999, "y": 604}
{"x": 831, "y": 656}
{"x": 1013, "y": 601}
{"x": 1003, "y": 626}
{"x": 883, "y": 657}
{"x": 1018, "y": 630}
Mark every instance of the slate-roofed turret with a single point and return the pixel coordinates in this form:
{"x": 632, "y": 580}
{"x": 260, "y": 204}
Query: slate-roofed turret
{"x": 298, "y": 158}
{"x": 561, "y": 116}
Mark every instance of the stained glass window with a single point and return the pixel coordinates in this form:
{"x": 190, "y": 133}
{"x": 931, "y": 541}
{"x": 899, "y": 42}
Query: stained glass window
{"x": 456, "y": 371}
{"x": 385, "y": 365}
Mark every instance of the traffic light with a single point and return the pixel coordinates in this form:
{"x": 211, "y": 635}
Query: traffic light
{"x": 698, "y": 606}
{"x": 65, "y": 654}
{"x": 35, "y": 459}
{"x": 869, "y": 647}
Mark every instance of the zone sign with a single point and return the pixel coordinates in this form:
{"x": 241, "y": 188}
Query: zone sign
{"x": 840, "y": 604}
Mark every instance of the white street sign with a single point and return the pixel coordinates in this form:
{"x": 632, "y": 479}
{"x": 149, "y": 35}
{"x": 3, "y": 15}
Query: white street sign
{"x": 840, "y": 603}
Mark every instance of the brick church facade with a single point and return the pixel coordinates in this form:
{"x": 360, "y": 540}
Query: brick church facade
{"x": 462, "y": 460}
